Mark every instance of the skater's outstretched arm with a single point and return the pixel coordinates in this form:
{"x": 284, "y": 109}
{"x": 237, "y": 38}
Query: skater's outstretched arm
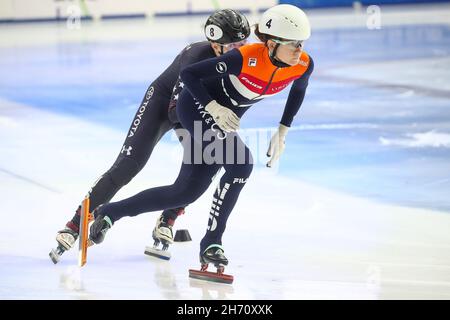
{"x": 296, "y": 96}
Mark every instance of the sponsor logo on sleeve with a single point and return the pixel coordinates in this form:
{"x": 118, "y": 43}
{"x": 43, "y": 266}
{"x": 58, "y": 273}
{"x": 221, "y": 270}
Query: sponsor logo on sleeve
{"x": 221, "y": 67}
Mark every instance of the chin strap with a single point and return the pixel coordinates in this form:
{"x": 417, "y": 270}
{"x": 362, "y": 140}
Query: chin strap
{"x": 275, "y": 61}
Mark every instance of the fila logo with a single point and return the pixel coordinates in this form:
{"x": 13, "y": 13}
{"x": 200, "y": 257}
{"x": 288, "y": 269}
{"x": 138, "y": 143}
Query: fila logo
{"x": 240, "y": 180}
{"x": 128, "y": 150}
{"x": 252, "y": 62}
{"x": 303, "y": 63}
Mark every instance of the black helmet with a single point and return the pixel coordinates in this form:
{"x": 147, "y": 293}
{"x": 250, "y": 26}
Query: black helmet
{"x": 227, "y": 26}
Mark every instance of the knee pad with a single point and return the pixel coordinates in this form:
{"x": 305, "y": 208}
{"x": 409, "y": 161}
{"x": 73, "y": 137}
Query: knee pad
{"x": 123, "y": 171}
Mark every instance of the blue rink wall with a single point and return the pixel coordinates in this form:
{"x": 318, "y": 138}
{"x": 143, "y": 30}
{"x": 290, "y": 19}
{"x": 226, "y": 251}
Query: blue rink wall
{"x": 11, "y": 12}
{"x": 346, "y": 3}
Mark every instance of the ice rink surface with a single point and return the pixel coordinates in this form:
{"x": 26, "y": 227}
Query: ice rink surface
{"x": 358, "y": 208}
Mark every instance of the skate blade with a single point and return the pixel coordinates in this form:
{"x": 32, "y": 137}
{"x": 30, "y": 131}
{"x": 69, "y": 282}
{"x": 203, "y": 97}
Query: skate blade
{"x": 211, "y": 276}
{"x": 158, "y": 253}
{"x": 54, "y": 256}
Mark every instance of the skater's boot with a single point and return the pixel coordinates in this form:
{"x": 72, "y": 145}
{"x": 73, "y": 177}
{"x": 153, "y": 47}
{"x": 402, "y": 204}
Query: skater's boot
{"x": 163, "y": 231}
{"x": 65, "y": 239}
{"x": 213, "y": 254}
{"x": 101, "y": 225}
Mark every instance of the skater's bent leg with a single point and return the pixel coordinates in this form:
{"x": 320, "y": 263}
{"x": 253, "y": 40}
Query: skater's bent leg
{"x": 123, "y": 170}
{"x": 185, "y": 190}
{"x": 188, "y": 143}
{"x": 120, "y": 174}
{"x": 149, "y": 125}
{"x": 225, "y": 198}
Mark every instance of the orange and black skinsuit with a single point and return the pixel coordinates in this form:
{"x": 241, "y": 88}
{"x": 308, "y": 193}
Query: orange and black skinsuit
{"x": 236, "y": 80}
{"x": 245, "y": 76}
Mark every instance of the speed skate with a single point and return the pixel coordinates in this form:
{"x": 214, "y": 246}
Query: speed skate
{"x": 213, "y": 254}
{"x": 218, "y": 276}
{"x": 162, "y": 234}
{"x": 158, "y": 253}
{"x": 66, "y": 238}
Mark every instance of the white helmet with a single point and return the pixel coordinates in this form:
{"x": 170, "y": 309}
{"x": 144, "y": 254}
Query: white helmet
{"x": 285, "y": 21}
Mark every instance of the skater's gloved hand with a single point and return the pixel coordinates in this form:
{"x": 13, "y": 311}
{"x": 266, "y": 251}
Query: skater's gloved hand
{"x": 277, "y": 145}
{"x": 226, "y": 119}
